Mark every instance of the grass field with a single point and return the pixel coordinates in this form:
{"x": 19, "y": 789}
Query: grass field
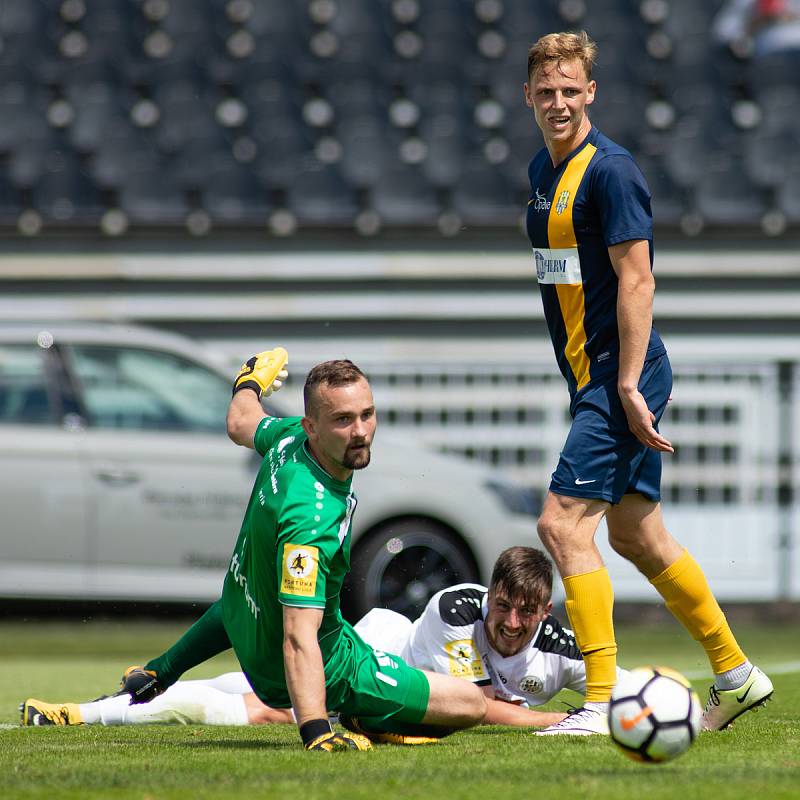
{"x": 759, "y": 759}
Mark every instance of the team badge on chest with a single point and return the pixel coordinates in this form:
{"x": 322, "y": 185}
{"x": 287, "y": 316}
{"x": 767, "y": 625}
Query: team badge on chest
{"x": 531, "y": 684}
{"x": 563, "y": 202}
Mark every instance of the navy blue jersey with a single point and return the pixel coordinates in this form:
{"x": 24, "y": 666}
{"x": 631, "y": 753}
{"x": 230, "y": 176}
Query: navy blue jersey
{"x": 595, "y": 198}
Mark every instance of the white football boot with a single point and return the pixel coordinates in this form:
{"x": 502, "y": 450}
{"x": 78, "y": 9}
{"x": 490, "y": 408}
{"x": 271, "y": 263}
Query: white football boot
{"x": 724, "y": 706}
{"x": 580, "y": 722}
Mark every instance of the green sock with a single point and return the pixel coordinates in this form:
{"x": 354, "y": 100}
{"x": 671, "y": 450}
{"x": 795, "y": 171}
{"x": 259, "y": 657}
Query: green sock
{"x": 204, "y": 639}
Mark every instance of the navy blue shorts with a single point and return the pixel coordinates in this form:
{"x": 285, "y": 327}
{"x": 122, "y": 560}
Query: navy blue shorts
{"x": 601, "y": 458}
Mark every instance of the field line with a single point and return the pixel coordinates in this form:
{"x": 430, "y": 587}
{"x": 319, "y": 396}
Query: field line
{"x": 781, "y": 668}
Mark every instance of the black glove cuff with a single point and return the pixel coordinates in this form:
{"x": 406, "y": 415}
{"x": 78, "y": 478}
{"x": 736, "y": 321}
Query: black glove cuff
{"x": 313, "y": 729}
{"x": 237, "y": 387}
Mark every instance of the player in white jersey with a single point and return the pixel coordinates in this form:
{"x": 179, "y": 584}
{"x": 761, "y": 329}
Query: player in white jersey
{"x": 503, "y": 638}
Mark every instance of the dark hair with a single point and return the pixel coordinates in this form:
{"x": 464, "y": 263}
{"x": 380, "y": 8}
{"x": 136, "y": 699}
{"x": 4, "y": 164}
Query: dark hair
{"x": 341, "y": 372}
{"x": 558, "y": 47}
{"x": 523, "y": 574}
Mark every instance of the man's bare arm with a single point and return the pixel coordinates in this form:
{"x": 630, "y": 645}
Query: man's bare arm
{"x": 631, "y": 262}
{"x": 302, "y": 660}
{"x": 499, "y": 712}
{"x": 244, "y": 416}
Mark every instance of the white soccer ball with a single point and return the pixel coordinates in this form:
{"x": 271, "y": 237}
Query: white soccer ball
{"x": 654, "y": 714}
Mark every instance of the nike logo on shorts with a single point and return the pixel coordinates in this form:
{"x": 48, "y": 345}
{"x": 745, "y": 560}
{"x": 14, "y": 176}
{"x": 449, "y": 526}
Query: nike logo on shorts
{"x": 579, "y": 482}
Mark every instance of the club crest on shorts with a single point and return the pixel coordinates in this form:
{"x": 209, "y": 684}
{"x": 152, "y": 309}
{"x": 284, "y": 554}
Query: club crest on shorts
{"x": 299, "y": 574}
{"x": 563, "y": 201}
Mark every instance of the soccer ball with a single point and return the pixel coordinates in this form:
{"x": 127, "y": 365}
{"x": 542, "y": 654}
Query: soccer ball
{"x": 654, "y": 714}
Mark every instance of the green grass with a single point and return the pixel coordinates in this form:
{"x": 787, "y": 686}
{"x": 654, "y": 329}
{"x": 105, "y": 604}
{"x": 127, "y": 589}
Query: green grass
{"x": 759, "y": 759}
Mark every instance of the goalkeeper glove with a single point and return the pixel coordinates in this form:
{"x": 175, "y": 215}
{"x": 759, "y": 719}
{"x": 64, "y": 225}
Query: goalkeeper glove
{"x": 318, "y": 735}
{"x": 141, "y": 684}
{"x": 334, "y": 742}
{"x": 264, "y": 373}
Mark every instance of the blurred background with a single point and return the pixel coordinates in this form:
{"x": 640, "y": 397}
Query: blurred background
{"x": 186, "y": 182}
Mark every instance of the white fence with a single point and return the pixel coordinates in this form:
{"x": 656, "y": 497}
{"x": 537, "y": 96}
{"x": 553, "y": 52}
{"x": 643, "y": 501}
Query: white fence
{"x": 732, "y": 420}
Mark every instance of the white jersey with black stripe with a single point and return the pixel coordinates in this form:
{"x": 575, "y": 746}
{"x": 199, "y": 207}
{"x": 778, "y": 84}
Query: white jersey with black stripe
{"x": 450, "y": 637}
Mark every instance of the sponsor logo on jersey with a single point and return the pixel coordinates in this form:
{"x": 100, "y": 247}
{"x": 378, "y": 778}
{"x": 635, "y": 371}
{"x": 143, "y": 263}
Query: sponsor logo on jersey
{"x": 540, "y": 201}
{"x": 299, "y": 570}
{"x": 531, "y": 684}
{"x": 464, "y": 659}
{"x": 241, "y": 580}
{"x": 563, "y": 202}
{"x": 284, "y": 443}
{"x": 557, "y": 265}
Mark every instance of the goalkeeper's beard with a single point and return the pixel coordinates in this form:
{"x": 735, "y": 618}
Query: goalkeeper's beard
{"x": 356, "y": 458}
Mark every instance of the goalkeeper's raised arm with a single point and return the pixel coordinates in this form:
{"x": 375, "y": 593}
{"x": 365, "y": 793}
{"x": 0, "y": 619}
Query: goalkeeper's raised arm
{"x": 258, "y": 377}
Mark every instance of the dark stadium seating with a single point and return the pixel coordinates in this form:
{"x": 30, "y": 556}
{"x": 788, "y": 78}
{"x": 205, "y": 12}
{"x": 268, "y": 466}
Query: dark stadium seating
{"x": 401, "y": 109}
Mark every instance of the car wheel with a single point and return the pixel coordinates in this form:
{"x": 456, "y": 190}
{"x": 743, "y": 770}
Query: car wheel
{"x": 401, "y": 565}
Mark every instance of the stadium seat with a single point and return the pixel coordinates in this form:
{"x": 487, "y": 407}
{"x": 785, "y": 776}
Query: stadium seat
{"x": 66, "y": 196}
{"x": 725, "y": 197}
{"x": 149, "y": 198}
{"x": 232, "y": 196}
{"x": 10, "y": 203}
{"x": 403, "y": 197}
{"x": 788, "y": 196}
{"x": 318, "y": 196}
{"x": 186, "y": 114}
{"x": 668, "y": 199}
{"x": 398, "y": 104}
{"x": 482, "y": 197}
{"x": 122, "y": 153}
{"x": 98, "y": 107}
{"x": 22, "y": 116}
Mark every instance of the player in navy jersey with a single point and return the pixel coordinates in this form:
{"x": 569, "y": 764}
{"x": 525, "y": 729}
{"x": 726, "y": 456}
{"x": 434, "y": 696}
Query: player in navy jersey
{"x": 590, "y": 225}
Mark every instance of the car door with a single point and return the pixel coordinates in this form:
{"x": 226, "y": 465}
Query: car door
{"x": 43, "y": 496}
{"x": 168, "y": 487}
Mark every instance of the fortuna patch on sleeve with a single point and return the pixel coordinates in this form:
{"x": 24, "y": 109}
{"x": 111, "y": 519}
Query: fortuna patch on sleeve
{"x": 465, "y": 661}
{"x": 299, "y": 570}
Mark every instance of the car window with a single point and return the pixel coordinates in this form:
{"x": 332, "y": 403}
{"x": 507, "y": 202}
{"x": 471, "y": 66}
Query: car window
{"x": 23, "y": 386}
{"x": 135, "y": 388}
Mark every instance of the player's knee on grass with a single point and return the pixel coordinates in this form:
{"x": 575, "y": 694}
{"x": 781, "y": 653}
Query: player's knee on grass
{"x": 453, "y": 702}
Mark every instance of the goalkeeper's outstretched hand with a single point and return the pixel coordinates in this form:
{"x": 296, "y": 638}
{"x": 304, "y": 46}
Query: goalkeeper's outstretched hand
{"x": 141, "y": 684}
{"x": 334, "y": 742}
{"x": 264, "y": 373}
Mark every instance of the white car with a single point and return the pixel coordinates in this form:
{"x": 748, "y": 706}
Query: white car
{"x": 119, "y": 483}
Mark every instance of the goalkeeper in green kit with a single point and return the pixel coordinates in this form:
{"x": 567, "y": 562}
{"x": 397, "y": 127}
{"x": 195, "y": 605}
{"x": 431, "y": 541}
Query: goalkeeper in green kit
{"x": 279, "y": 608}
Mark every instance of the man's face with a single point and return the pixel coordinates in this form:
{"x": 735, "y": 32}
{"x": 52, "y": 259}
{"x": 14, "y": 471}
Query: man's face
{"x": 558, "y": 93}
{"x": 511, "y": 624}
{"x": 341, "y": 427}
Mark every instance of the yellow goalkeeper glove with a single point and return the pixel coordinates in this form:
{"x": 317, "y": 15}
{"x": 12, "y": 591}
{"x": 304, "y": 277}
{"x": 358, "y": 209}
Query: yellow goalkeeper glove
{"x": 335, "y": 742}
{"x": 317, "y": 734}
{"x": 264, "y": 373}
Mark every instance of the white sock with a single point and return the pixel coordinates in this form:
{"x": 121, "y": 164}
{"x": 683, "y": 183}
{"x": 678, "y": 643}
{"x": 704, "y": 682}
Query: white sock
{"x": 230, "y": 682}
{"x": 109, "y": 711}
{"x": 190, "y": 705}
{"x": 733, "y": 678}
{"x": 601, "y": 708}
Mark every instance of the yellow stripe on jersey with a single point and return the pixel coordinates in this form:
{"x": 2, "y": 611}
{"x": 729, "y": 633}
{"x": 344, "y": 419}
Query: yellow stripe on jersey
{"x": 561, "y": 234}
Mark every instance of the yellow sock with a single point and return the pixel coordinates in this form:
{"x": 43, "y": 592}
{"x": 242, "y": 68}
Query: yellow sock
{"x": 688, "y": 596}
{"x": 590, "y": 607}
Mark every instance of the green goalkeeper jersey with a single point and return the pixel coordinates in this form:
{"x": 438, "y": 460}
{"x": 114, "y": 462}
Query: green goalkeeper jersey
{"x": 293, "y": 549}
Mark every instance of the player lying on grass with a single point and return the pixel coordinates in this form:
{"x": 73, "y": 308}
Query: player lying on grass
{"x": 280, "y": 603}
{"x": 502, "y": 638}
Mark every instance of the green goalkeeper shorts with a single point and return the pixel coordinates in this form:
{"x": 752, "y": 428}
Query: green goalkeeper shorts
{"x": 364, "y": 682}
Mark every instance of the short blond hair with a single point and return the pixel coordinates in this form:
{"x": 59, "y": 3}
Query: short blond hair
{"x": 558, "y": 47}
